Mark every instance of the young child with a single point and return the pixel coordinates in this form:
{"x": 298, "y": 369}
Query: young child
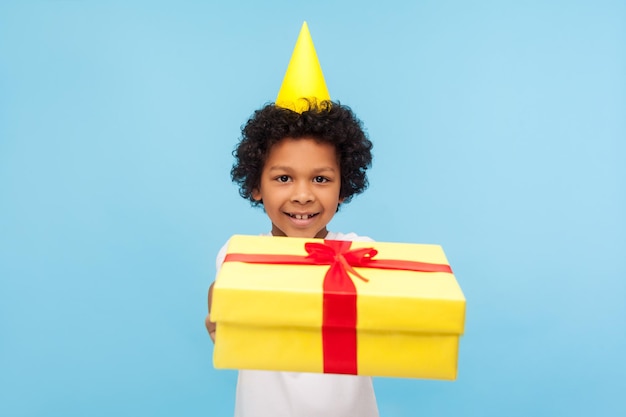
{"x": 300, "y": 165}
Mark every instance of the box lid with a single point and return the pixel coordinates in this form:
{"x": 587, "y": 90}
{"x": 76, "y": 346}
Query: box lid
{"x": 259, "y": 294}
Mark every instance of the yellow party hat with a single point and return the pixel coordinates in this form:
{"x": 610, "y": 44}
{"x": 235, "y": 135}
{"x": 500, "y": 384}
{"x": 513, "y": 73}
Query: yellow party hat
{"x": 304, "y": 80}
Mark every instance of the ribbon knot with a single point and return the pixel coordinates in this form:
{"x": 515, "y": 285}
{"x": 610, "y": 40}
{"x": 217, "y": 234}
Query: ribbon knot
{"x": 338, "y": 255}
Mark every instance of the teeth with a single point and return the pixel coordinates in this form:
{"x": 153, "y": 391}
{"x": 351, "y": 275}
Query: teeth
{"x": 302, "y": 216}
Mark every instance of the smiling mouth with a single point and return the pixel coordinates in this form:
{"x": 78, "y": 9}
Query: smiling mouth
{"x": 302, "y": 216}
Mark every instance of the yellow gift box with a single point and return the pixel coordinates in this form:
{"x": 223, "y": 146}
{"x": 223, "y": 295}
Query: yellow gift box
{"x": 285, "y": 304}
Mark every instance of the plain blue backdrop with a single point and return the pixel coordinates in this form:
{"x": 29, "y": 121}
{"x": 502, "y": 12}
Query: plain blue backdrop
{"x": 499, "y": 131}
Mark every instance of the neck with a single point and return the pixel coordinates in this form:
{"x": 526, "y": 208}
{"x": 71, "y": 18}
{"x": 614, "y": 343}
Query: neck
{"x": 319, "y": 235}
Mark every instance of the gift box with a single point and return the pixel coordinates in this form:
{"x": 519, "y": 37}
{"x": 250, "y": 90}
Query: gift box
{"x": 313, "y": 305}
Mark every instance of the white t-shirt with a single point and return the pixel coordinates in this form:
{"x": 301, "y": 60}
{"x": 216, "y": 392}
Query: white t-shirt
{"x": 295, "y": 394}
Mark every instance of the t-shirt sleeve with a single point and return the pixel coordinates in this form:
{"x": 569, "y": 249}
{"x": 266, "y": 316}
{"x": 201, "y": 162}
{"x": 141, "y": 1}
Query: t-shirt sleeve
{"x": 221, "y": 255}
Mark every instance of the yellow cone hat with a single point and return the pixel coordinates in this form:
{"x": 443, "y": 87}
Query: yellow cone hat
{"x": 304, "y": 79}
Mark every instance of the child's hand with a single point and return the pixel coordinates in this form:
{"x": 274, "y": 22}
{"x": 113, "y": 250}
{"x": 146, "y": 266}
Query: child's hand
{"x": 210, "y": 325}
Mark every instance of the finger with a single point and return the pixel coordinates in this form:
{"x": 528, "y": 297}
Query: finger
{"x": 211, "y": 327}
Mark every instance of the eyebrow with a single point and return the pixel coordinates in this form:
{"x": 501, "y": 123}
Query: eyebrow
{"x": 287, "y": 168}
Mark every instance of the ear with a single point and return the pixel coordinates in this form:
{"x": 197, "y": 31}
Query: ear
{"x": 256, "y": 194}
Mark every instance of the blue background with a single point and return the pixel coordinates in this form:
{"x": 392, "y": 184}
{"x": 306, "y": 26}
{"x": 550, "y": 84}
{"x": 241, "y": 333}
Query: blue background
{"x": 499, "y": 131}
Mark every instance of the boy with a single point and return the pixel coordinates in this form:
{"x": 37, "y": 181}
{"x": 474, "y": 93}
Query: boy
{"x": 301, "y": 159}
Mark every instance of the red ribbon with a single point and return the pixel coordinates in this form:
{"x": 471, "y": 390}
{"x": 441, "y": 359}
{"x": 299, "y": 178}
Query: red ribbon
{"x": 340, "y": 297}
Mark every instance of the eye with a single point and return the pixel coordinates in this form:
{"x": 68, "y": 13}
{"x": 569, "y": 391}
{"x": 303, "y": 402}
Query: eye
{"x": 282, "y": 178}
{"x": 320, "y": 179}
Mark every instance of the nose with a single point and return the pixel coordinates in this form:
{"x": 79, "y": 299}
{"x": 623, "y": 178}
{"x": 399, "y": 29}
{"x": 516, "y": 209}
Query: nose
{"x": 302, "y": 192}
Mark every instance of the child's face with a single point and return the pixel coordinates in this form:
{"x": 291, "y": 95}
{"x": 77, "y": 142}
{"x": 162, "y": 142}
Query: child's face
{"x": 300, "y": 186}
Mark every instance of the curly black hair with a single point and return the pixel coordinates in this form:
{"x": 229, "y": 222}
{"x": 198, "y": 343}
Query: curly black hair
{"x": 326, "y": 121}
